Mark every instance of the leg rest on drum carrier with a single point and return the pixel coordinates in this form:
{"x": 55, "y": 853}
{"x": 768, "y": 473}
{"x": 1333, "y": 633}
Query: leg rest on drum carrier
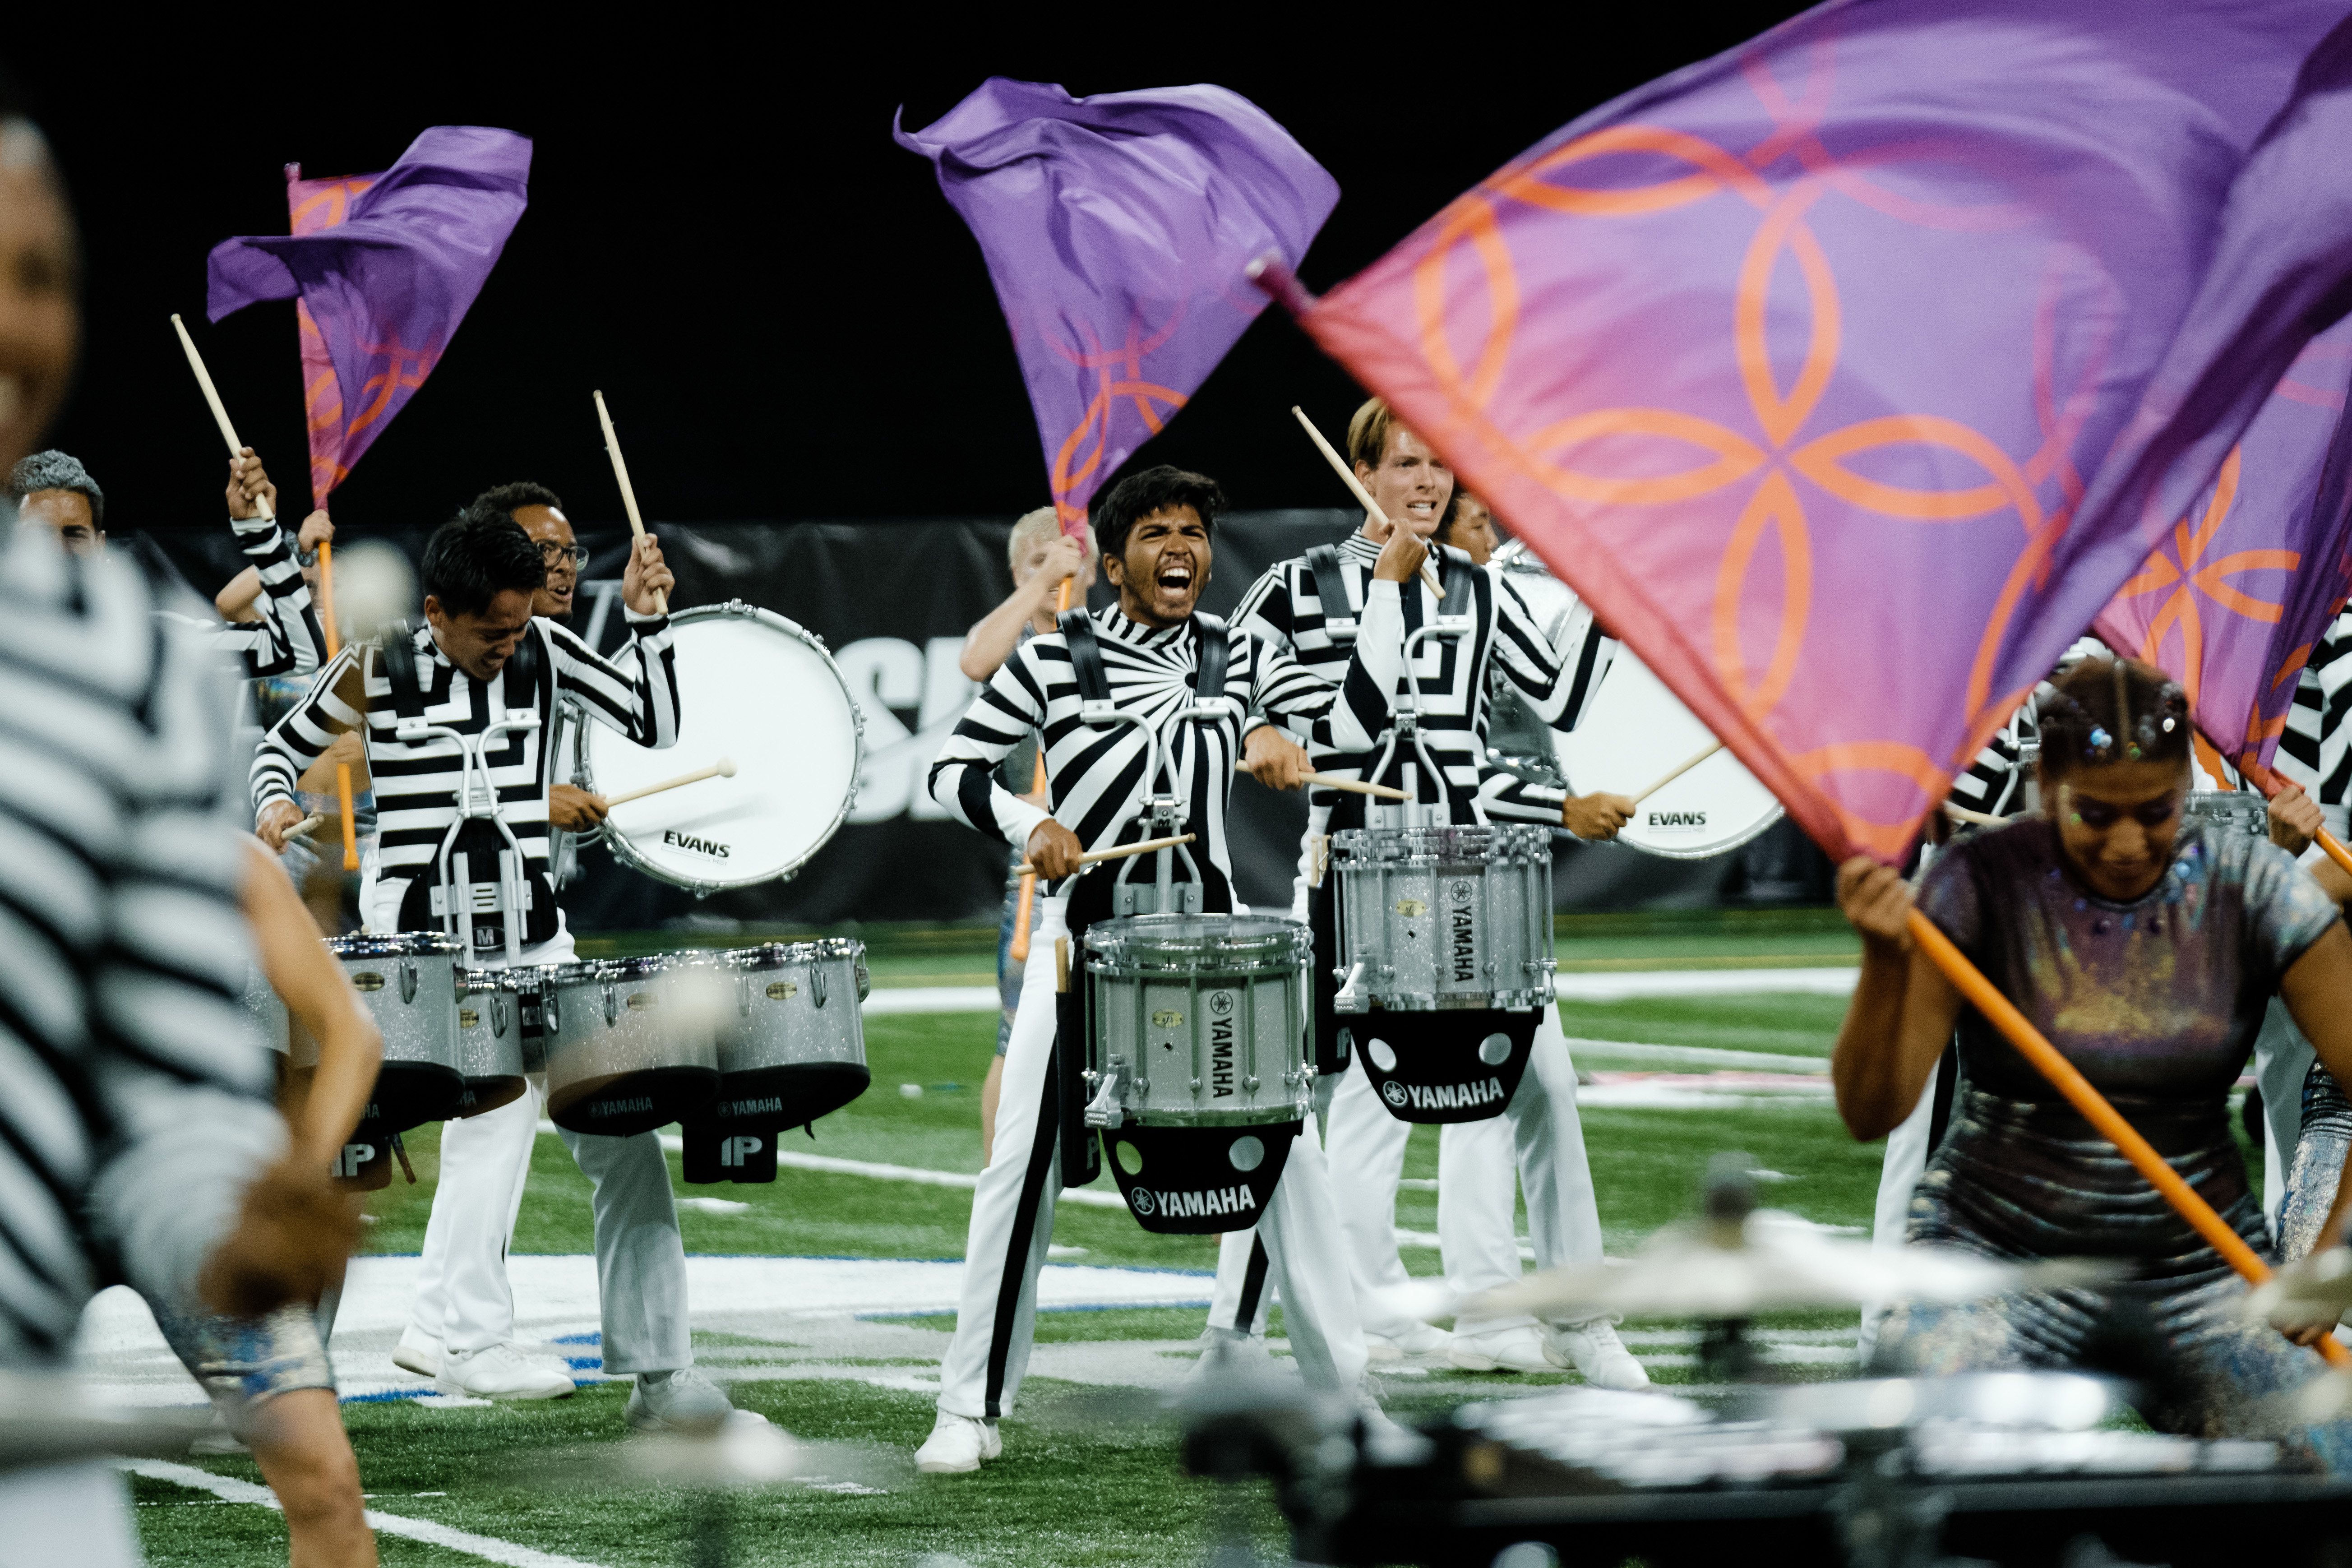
{"x": 1196, "y": 1051}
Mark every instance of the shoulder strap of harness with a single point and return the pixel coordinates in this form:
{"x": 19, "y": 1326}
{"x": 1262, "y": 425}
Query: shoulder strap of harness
{"x": 1085, "y": 654}
{"x": 397, "y": 650}
{"x": 524, "y": 667}
{"x": 1461, "y": 594}
{"x": 1215, "y": 649}
{"x": 1331, "y": 591}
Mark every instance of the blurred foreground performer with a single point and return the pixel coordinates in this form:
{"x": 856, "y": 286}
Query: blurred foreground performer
{"x": 1043, "y": 558}
{"x": 270, "y": 624}
{"x": 139, "y": 1140}
{"x": 269, "y": 1375}
{"x": 2144, "y": 947}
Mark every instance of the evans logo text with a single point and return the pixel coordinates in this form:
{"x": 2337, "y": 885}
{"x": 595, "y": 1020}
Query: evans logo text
{"x": 699, "y": 846}
{"x": 1678, "y": 819}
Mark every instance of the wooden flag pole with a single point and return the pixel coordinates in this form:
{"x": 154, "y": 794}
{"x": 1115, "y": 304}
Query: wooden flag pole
{"x": 1347, "y": 476}
{"x": 628, "y": 494}
{"x": 1685, "y": 765}
{"x": 2069, "y": 1082}
{"x": 213, "y": 399}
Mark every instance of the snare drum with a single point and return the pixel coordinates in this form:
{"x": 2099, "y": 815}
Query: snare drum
{"x": 1444, "y": 944}
{"x": 764, "y": 692}
{"x": 791, "y": 1047}
{"x": 631, "y": 1042}
{"x": 489, "y": 1038}
{"x": 409, "y": 982}
{"x": 269, "y": 1013}
{"x": 1197, "y": 1062}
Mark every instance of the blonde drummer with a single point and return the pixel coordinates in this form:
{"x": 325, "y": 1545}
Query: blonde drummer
{"x": 1345, "y": 603}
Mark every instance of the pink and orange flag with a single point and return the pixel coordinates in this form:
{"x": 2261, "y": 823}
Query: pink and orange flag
{"x": 2245, "y": 585}
{"x": 1851, "y": 374}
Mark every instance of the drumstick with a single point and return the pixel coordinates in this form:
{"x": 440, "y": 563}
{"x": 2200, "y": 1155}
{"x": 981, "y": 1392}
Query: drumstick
{"x": 1981, "y": 818}
{"x": 303, "y": 828}
{"x": 628, "y": 495}
{"x": 1340, "y": 467}
{"x": 212, "y": 397}
{"x": 1680, "y": 768}
{"x": 1353, "y": 786}
{"x": 724, "y": 768}
{"x": 342, "y": 770}
{"x": 1124, "y": 850}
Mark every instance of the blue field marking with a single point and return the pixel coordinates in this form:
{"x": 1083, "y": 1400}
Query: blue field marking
{"x": 582, "y": 1364}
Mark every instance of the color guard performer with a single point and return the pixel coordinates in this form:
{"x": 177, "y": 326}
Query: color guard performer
{"x": 1350, "y": 601}
{"x": 483, "y": 653}
{"x": 1155, "y": 530}
{"x": 2144, "y": 947}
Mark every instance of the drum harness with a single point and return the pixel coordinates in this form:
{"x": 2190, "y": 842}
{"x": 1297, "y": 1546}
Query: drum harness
{"x": 458, "y": 899}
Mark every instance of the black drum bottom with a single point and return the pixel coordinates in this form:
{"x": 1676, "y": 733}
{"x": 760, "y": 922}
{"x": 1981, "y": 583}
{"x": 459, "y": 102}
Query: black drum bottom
{"x": 733, "y": 1138}
{"x": 410, "y": 1094}
{"x": 632, "y": 1102}
{"x": 489, "y": 1094}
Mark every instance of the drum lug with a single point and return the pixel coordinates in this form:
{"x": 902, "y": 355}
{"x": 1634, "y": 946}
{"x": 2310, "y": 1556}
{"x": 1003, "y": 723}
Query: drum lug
{"x": 816, "y": 984}
{"x": 743, "y": 993}
{"x": 551, "y": 1014}
{"x": 407, "y": 981}
{"x": 612, "y": 1006}
{"x": 499, "y": 1014}
{"x": 1104, "y": 1111}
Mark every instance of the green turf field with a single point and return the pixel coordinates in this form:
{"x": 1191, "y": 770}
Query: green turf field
{"x": 1070, "y": 1491}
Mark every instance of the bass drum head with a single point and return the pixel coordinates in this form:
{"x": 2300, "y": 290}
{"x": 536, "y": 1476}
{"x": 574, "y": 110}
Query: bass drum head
{"x": 1637, "y": 730}
{"x": 756, "y": 688}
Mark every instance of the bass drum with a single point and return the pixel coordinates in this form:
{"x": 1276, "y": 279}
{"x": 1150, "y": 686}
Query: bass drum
{"x": 754, "y": 688}
{"x": 1634, "y": 732}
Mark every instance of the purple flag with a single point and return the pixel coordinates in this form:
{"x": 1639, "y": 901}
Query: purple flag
{"x": 2232, "y": 602}
{"x": 1852, "y": 373}
{"x": 386, "y": 286}
{"x": 1117, "y": 229}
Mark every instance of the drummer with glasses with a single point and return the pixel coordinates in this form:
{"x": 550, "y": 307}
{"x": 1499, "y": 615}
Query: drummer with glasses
{"x": 1356, "y": 601}
{"x": 481, "y": 575}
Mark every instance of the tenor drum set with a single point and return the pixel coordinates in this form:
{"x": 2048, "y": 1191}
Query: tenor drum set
{"x": 737, "y": 1045}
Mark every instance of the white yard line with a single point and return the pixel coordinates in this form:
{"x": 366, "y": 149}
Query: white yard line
{"x": 488, "y": 1548}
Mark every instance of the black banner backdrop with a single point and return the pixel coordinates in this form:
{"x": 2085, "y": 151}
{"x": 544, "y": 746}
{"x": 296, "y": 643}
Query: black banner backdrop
{"x": 892, "y": 601}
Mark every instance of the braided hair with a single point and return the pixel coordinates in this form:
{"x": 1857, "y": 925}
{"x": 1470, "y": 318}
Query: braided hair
{"x": 2107, "y": 710}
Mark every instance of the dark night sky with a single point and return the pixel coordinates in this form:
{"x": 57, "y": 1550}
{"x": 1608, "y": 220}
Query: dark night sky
{"x": 789, "y": 320}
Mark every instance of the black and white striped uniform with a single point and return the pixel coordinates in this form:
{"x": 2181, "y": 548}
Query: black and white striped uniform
{"x": 635, "y": 691}
{"x": 133, "y": 1091}
{"x": 1539, "y": 1131}
{"x": 1287, "y": 607}
{"x": 288, "y": 639}
{"x": 1097, "y": 783}
{"x": 2315, "y": 749}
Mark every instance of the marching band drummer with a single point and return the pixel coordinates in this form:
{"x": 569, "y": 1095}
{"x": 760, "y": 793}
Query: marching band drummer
{"x": 482, "y": 653}
{"x": 1305, "y": 604}
{"x": 1154, "y": 531}
{"x": 2144, "y": 946}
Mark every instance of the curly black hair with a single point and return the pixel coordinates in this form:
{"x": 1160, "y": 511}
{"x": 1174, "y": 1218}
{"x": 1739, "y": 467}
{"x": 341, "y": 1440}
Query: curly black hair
{"x": 504, "y": 500}
{"x": 1137, "y": 496}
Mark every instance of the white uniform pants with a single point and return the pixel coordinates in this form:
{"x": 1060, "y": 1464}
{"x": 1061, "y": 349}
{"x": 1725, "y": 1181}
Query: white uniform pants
{"x": 464, "y": 1299}
{"x": 1012, "y": 1221}
{"x": 77, "y": 1513}
{"x": 1907, "y": 1148}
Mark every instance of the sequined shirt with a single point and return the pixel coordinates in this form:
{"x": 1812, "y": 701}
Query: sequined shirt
{"x": 2156, "y": 1000}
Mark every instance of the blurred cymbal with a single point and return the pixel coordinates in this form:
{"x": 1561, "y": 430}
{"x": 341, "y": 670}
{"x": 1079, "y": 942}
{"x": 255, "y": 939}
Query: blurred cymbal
{"x": 1772, "y": 1262}
{"x": 48, "y": 1418}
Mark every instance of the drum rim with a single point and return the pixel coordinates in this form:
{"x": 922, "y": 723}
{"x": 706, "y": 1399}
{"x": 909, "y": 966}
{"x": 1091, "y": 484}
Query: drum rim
{"x": 595, "y": 970}
{"x": 821, "y": 947}
{"x": 1284, "y": 937}
{"x": 1724, "y": 847}
{"x": 394, "y": 944}
{"x": 617, "y": 842}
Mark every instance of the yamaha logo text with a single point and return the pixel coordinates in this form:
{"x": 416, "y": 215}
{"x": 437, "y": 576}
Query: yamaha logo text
{"x": 1186, "y": 1205}
{"x": 1220, "y": 1047}
{"x": 1443, "y": 1096}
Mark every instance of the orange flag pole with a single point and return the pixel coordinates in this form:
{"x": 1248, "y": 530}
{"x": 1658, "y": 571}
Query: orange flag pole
{"x": 1029, "y": 879}
{"x": 2069, "y": 1082}
{"x": 342, "y": 770}
{"x": 2270, "y": 784}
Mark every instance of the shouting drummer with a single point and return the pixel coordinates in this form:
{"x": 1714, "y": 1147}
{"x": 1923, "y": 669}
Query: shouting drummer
{"x": 1361, "y": 598}
{"x": 481, "y": 654}
{"x": 1154, "y": 531}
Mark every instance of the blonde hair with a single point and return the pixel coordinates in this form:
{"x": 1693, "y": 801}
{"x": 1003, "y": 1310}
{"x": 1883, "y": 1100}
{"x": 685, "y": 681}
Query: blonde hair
{"x": 1368, "y": 432}
{"x": 1033, "y": 526}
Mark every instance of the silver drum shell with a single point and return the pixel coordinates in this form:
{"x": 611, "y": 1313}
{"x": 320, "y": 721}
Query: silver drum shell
{"x": 268, "y": 1015}
{"x": 489, "y": 1039}
{"x": 1203, "y": 1019}
{"x": 408, "y": 982}
{"x": 631, "y": 1042}
{"x": 792, "y": 1045}
{"x": 1443, "y": 918}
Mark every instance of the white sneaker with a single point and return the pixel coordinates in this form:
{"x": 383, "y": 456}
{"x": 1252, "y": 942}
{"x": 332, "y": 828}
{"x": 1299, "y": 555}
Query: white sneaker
{"x": 217, "y": 1438}
{"x": 680, "y": 1401}
{"x": 1522, "y": 1349}
{"x": 1421, "y": 1338}
{"x": 417, "y": 1354}
{"x": 498, "y": 1373}
{"x": 957, "y": 1445}
{"x": 1599, "y": 1353}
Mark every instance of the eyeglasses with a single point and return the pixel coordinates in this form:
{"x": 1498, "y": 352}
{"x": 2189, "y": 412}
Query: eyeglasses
{"x": 557, "y": 554}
